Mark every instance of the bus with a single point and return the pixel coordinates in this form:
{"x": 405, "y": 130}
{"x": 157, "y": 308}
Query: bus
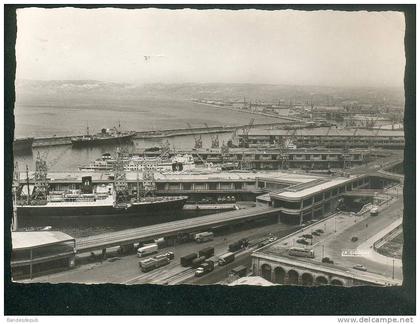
{"x": 301, "y": 252}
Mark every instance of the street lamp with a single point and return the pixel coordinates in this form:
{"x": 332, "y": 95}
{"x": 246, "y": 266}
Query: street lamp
{"x": 335, "y": 224}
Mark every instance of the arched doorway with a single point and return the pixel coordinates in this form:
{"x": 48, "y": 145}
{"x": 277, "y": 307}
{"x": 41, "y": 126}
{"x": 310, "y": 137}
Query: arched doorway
{"x": 293, "y": 277}
{"x": 307, "y": 279}
{"x": 337, "y": 282}
{"x": 321, "y": 281}
{"x": 266, "y": 272}
{"x": 279, "y": 275}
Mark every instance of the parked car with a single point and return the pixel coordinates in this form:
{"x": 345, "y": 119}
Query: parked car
{"x": 315, "y": 233}
{"x": 360, "y": 267}
{"x": 320, "y": 231}
{"x": 308, "y": 236}
{"x": 303, "y": 241}
{"x": 354, "y": 239}
{"x": 327, "y": 260}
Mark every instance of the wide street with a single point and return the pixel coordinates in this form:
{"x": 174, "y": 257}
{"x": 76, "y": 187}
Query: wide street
{"x": 125, "y": 269}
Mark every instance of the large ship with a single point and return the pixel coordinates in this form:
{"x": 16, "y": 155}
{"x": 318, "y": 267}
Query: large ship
{"x": 107, "y": 135}
{"x": 75, "y": 203}
{"x": 86, "y": 199}
{"x": 106, "y": 162}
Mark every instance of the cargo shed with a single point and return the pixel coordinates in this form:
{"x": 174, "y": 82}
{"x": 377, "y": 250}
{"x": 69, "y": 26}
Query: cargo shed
{"x": 41, "y": 252}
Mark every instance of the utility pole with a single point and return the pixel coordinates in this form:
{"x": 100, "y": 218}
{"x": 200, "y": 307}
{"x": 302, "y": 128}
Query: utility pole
{"x": 27, "y": 184}
{"x": 322, "y": 250}
{"x": 138, "y": 183}
{"x": 16, "y": 179}
{"x": 393, "y": 268}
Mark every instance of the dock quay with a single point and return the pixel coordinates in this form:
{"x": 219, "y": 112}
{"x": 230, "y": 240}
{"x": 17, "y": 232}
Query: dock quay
{"x": 131, "y": 236}
{"x": 276, "y": 158}
{"x": 326, "y": 136}
{"x": 66, "y": 140}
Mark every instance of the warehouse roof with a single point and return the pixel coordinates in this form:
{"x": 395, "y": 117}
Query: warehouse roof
{"x": 25, "y": 240}
{"x": 326, "y": 131}
{"x": 290, "y": 192}
{"x": 224, "y": 176}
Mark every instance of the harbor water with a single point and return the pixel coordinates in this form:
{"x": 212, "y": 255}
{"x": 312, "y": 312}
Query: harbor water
{"x": 71, "y": 119}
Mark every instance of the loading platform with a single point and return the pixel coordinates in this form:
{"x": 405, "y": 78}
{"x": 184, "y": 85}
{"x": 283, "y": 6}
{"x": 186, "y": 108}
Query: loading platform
{"x": 131, "y": 236}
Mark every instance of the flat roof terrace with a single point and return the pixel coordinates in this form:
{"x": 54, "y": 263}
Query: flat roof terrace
{"x": 26, "y": 240}
{"x": 103, "y": 177}
{"x": 308, "y": 189}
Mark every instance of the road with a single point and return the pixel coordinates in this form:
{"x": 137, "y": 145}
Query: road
{"x": 220, "y": 273}
{"x": 364, "y": 230}
{"x": 126, "y": 270}
{"x": 130, "y": 236}
{"x": 336, "y": 241}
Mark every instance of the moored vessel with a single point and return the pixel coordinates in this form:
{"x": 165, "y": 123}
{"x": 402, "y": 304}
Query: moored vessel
{"x": 106, "y": 135}
{"x": 89, "y": 199}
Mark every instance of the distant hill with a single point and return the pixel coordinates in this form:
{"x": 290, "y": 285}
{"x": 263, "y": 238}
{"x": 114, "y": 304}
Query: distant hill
{"x": 32, "y": 91}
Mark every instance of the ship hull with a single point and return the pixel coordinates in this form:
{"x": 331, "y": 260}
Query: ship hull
{"x": 98, "y": 141}
{"x": 138, "y": 210}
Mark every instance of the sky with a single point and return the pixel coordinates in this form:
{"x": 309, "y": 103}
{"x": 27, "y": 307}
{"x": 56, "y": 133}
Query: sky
{"x": 324, "y": 48}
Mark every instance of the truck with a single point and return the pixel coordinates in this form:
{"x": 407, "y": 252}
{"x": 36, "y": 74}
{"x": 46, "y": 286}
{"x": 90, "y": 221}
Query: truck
{"x": 204, "y": 237}
{"x": 161, "y": 242}
{"x": 186, "y": 260}
{"x": 169, "y": 255}
{"x": 204, "y": 268}
{"x": 153, "y": 263}
{"x": 240, "y": 271}
{"x": 208, "y": 252}
{"x": 226, "y": 258}
{"x": 147, "y": 250}
{"x": 197, "y": 261}
{"x": 238, "y": 245}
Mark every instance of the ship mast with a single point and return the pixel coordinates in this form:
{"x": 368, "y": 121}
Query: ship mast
{"x": 41, "y": 181}
{"x": 27, "y": 185}
{"x": 149, "y": 184}
{"x": 120, "y": 181}
{"x": 138, "y": 182}
{"x": 16, "y": 182}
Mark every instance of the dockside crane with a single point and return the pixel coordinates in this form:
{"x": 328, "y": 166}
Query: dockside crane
{"x": 346, "y": 154}
{"x": 245, "y": 132}
{"x": 232, "y": 138}
{"x": 198, "y": 142}
{"x": 214, "y": 138}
